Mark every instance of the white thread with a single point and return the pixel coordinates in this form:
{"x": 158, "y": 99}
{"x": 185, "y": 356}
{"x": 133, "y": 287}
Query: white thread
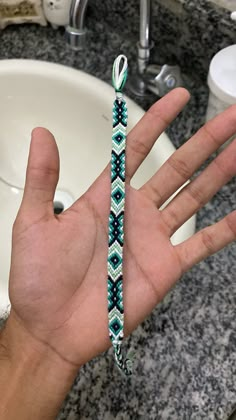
{"x": 119, "y": 75}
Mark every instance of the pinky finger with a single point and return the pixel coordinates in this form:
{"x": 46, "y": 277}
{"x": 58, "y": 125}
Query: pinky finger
{"x": 207, "y": 241}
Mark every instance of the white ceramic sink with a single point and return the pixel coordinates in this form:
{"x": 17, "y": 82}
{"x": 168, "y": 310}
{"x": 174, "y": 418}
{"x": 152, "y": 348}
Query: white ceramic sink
{"x": 77, "y": 108}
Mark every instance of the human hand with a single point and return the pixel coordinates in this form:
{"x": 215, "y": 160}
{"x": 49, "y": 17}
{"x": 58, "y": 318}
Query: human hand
{"x": 58, "y": 278}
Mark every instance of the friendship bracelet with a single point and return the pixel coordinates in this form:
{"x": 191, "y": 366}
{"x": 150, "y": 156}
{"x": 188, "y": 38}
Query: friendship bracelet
{"x": 116, "y": 217}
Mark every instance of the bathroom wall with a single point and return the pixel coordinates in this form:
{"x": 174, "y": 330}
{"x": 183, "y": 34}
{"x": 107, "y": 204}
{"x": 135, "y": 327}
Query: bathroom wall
{"x": 187, "y": 32}
{"x": 191, "y": 32}
{"x": 227, "y": 4}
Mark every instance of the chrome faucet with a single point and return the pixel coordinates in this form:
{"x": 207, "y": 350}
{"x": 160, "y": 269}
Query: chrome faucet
{"x": 149, "y": 77}
{"x": 75, "y": 31}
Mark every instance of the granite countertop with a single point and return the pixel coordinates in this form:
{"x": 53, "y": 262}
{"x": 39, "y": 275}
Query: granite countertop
{"x": 186, "y": 349}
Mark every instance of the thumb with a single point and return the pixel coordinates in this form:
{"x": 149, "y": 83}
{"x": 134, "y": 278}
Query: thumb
{"x": 42, "y": 174}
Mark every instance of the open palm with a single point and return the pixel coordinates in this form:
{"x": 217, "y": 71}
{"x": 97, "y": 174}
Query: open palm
{"x": 58, "y": 279}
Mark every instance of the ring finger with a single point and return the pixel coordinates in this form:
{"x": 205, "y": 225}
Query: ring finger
{"x": 186, "y": 160}
{"x": 198, "y": 192}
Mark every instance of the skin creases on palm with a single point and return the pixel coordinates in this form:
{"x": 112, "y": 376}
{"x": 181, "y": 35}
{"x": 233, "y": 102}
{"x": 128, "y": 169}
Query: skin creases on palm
{"x": 58, "y": 278}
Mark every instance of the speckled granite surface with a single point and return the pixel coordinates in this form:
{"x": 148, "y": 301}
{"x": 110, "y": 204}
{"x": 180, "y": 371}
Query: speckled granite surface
{"x": 186, "y": 349}
{"x": 189, "y": 36}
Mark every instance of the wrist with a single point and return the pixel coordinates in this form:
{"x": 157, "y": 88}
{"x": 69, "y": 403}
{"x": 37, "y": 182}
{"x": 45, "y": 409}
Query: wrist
{"x": 32, "y": 372}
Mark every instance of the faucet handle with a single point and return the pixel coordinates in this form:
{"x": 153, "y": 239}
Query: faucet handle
{"x": 161, "y": 79}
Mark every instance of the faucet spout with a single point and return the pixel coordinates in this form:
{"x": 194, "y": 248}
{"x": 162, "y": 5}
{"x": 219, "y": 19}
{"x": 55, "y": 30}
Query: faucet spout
{"x": 145, "y": 12}
{"x": 145, "y": 44}
{"x": 77, "y": 14}
{"x": 75, "y": 31}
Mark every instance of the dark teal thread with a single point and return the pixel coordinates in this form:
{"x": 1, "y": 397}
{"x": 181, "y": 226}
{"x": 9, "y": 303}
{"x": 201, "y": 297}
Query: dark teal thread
{"x": 116, "y": 227}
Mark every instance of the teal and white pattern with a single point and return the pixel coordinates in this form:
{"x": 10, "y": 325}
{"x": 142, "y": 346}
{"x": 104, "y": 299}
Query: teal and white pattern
{"x": 116, "y": 218}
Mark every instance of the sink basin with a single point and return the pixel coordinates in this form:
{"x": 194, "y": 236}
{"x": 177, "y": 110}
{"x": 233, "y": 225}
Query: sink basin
{"x": 77, "y": 108}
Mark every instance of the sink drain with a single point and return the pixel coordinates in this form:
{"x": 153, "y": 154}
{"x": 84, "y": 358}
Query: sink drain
{"x": 62, "y": 201}
{"x": 58, "y": 207}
